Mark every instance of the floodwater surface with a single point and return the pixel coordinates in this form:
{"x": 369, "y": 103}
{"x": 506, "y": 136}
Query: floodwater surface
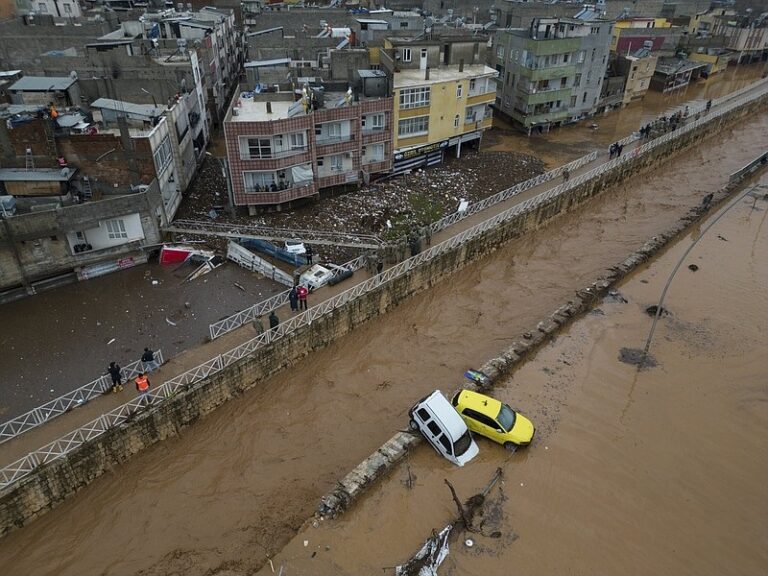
{"x": 661, "y": 471}
{"x": 232, "y": 489}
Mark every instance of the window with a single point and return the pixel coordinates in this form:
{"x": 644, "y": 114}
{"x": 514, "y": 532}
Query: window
{"x": 582, "y": 55}
{"x": 423, "y": 53}
{"x": 337, "y": 162}
{"x": 373, "y": 122}
{"x": 445, "y": 443}
{"x": 472, "y": 85}
{"x": 406, "y": 53}
{"x": 563, "y": 82}
{"x": 577, "y": 80}
{"x": 594, "y": 50}
{"x": 297, "y": 140}
{"x": 594, "y": 30}
{"x": 584, "y": 98}
{"x": 373, "y": 152}
{"x": 413, "y": 126}
{"x": 459, "y": 90}
{"x": 334, "y": 130}
{"x": 258, "y": 181}
{"x": 116, "y": 229}
{"x": 404, "y": 24}
{"x": 259, "y": 148}
{"x": 67, "y": 8}
{"x": 573, "y": 101}
{"x": 456, "y": 121}
{"x": 42, "y": 7}
{"x": 481, "y": 418}
{"x": 500, "y": 52}
{"x": 414, "y": 97}
{"x": 163, "y": 155}
{"x": 434, "y": 428}
{"x": 423, "y": 414}
{"x": 470, "y": 115}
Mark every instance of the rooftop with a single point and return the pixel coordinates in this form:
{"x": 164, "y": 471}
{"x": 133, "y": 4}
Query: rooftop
{"x": 36, "y": 175}
{"x": 43, "y": 83}
{"x": 136, "y": 110}
{"x": 407, "y": 78}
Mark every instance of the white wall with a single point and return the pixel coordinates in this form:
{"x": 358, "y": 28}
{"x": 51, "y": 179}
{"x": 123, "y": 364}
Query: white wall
{"x": 98, "y": 237}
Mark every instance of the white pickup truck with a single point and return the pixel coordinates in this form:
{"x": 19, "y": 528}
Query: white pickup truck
{"x": 318, "y": 275}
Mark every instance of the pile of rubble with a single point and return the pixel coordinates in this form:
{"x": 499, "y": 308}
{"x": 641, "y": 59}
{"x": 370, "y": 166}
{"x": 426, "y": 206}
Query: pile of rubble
{"x": 389, "y": 207}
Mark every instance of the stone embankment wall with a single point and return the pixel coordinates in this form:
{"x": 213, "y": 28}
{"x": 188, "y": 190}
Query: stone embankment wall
{"x": 52, "y": 483}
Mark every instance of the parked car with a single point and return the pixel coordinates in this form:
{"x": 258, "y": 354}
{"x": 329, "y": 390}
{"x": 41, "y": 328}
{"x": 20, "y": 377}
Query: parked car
{"x": 295, "y": 247}
{"x": 441, "y": 425}
{"x": 315, "y": 277}
{"x": 493, "y": 419}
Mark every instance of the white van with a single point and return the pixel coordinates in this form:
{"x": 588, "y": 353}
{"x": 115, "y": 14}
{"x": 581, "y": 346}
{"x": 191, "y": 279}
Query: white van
{"x": 439, "y": 422}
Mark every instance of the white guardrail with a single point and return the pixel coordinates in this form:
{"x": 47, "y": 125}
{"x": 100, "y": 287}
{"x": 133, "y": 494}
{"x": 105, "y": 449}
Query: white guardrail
{"x": 196, "y": 376}
{"x": 58, "y": 406}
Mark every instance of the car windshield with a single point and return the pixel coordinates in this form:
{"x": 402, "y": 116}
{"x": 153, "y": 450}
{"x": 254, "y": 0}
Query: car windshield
{"x": 462, "y": 444}
{"x": 506, "y": 417}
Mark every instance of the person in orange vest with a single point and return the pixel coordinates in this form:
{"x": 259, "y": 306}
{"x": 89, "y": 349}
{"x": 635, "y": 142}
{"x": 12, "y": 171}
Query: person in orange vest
{"x": 142, "y": 385}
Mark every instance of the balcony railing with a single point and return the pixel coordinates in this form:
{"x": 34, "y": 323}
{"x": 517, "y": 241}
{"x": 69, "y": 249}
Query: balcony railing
{"x": 277, "y": 155}
{"x": 277, "y": 189}
{"x": 322, "y": 140}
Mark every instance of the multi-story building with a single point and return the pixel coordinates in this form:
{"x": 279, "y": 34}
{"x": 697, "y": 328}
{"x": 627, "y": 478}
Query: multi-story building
{"x": 673, "y": 74}
{"x": 749, "y": 39}
{"x": 443, "y": 93}
{"x": 280, "y": 150}
{"x": 716, "y": 59}
{"x": 632, "y": 33}
{"x": 551, "y": 73}
{"x": 638, "y": 68}
{"x": 58, "y": 8}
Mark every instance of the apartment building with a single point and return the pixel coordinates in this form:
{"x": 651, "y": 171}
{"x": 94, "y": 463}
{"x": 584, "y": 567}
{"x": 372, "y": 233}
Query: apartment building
{"x": 552, "y": 72}
{"x": 638, "y": 68}
{"x": 443, "y": 93}
{"x": 632, "y": 33}
{"x": 280, "y": 150}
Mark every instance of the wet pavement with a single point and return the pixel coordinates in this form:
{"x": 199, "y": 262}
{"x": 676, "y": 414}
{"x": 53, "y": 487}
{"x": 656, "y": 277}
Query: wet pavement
{"x": 235, "y": 487}
{"x": 59, "y": 340}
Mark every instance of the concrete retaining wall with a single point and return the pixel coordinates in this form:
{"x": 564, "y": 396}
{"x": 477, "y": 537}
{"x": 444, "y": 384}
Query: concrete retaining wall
{"x": 52, "y": 483}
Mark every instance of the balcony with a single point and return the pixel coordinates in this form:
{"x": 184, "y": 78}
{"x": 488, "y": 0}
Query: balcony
{"x": 537, "y": 73}
{"x": 547, "y": 95}
{"x": 541, "y": 117}
{"x": 297, "y": 190}
{"x": 552, "y": 46}
{"x": 323, "y": 140}
{"x": 348, "y": 177}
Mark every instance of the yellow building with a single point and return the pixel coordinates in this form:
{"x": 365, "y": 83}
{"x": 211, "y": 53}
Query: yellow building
{"x": 717, "y": 59}
{"x": 629, "y": 34}
{"x": 438, "y": 106}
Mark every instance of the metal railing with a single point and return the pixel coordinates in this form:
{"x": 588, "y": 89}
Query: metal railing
{"x": 323, "y": 237}
{"x": 58, "y": 406}
{"x": 197, "y": 375}
{"x": 249, "y": 314}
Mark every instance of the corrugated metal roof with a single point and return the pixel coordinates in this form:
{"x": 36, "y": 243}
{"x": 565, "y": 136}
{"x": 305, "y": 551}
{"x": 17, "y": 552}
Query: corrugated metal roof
{"x": 38, "y": 175}
{"x": 265, "y": 63}
{"x": 147, "y": 110}
{"x": 43, "y": 83}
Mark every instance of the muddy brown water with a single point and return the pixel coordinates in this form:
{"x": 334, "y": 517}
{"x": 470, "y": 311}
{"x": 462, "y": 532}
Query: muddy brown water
{"x": 236, "y": 486}
{"x": 657, "y": 472}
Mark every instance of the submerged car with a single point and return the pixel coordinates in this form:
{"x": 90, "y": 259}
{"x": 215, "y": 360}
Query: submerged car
{"x": 493, "y": 419}
{"x": 295, "y": 247}
{"x": 436, "y": 419}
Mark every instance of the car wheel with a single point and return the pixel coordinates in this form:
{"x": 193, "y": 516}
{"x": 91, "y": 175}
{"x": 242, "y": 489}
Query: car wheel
{"x": 412, "y": 425}
{"x": 510, "y": 447}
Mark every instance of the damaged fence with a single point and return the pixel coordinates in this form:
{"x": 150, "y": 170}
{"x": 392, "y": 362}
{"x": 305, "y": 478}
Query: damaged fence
{"x": 58, "y": 406}
{"x": 197, "y": 375}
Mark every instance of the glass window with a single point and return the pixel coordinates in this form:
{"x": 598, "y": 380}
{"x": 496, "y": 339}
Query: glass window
{"x": 337, "y": 162}
{"x": 423, "y": 414}
{"x": 462, "y": 444}
{"x": 459, "y": 90}
{"x": 506, "y": 417}
{"x": 259, "y": 148}
{"x": 258, "y": 181}
{"x": 434, "y": 428}
{"x": 456, "y": 121}
{"x": 162, "y": 155}
{"x": 414, "y": 97}
{"x": 68, "y": 8}
{"x": 445, "y": 443}
{"x": 406, "y": 54}
{"x": 116, "y": 229}
{"x": 297, "y": 140}
{"x": 413, "y": 126}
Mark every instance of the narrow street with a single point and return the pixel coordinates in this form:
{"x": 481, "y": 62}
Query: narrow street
{"x": 233, "y": 489}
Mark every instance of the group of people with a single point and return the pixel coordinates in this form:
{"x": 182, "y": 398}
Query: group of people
{"x": 274, "y": 187}
{"x": 615, "y": 150}
{"x": 149, "y": 364}
{"x": 297, "y": 298}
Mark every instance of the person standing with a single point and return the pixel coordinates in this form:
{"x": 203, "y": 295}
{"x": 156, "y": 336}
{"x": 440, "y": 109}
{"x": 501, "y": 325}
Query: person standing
{"x": 116, "y": 373}
{"x": 293, "y": 298}
{"x": 142, "y": 387}
{"x": 148, "y": 359}
{"x": 379, "y": 267}
{"x": 309, "y": 254}
{"x": 274, "y": 321}
{"x": 619, "y": 149}
{"x": 258, "y": 325}
{"x": 302, "y": 297}
{"x": 566, "y": 175}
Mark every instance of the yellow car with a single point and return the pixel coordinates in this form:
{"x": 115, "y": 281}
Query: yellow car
{"x": 493, "y": 419}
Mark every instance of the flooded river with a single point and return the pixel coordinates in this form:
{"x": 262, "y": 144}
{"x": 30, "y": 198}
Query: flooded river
{"x": 235, "y": 487}
{"x": 657, "y": 472}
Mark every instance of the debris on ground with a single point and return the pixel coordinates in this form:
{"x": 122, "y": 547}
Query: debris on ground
{"x": 390, "y": 207}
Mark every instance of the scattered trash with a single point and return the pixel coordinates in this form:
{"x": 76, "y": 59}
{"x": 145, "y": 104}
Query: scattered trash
{"x": 476, "y": 376}
{"x": 693, "y": 267}
{"x": 169, "y": 322}
{"x": 306, "y": 543}
{"x": 723, "y": 238}
{"x": 213, "y": 214}
{"x": 428, "y": 559}
{"x": 155, "y": 282}
{"x": 239, "y": 286}
{"x": 652, "y": 310}
{"x": 110, "y": 342}
{"x": 469, "y": 542}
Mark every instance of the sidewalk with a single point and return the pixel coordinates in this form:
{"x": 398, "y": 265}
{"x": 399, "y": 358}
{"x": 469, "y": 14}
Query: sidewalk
{"x": 14, "y": 449}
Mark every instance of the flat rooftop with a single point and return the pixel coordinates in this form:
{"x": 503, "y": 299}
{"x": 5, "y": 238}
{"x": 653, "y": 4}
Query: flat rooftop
{"x": 37, "y": 174}
{"x": 250, "y": 111}
{"x": 415, "y": 77}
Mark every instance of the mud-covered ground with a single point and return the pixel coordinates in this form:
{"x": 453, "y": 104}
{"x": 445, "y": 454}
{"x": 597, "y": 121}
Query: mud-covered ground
{"x": 407, "y": 201}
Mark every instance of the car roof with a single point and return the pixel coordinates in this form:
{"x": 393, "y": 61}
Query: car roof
{"x": 454, "y": 424}
{"x": 479, "y": 402}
